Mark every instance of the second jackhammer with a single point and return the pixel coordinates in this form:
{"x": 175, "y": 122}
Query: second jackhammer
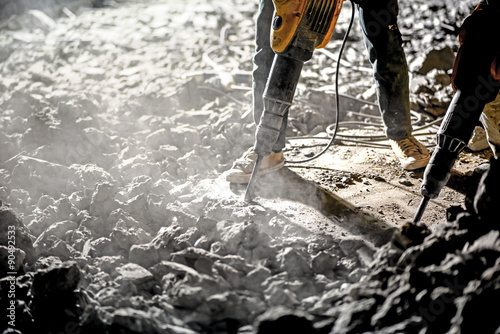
{"x": 299, "y": 27}
{"x": 476, "y": 78}
{"x": 452, "y": 137}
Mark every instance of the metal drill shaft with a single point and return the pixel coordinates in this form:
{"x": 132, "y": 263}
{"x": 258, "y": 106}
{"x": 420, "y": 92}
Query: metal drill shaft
{"x": 421, "y": 209}
{"x": 253, "y": 178}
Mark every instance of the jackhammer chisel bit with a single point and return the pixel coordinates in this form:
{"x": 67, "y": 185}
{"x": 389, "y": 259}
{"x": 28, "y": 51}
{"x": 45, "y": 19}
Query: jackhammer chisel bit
{"x": 421, "y": 209}
{"x": 253, "y": 178}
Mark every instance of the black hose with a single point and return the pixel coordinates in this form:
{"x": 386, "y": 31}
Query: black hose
{"x": 337, "y": 95}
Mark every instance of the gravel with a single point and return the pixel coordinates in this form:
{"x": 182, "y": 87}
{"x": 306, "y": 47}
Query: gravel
{"x": 117, "y": 125}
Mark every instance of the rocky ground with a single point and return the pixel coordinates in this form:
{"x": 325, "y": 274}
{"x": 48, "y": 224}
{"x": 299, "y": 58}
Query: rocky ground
{"x": 119, "y": 120}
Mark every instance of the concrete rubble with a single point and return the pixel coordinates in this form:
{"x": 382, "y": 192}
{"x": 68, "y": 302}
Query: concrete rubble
{"x": 111, "y": 173}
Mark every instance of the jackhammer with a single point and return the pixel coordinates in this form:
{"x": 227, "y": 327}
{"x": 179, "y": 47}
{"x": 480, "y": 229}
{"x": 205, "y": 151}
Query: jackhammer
{"x": 298, "y": 28}
{"x": 476, "y": 79}
{"x": 452, "y": 137}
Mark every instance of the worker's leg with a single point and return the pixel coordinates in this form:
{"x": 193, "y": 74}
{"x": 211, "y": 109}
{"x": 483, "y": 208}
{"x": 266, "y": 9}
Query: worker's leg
{"x": 263, "y": 56}
{"x": 263, "y": 59}
{"x": 383, "y": 41}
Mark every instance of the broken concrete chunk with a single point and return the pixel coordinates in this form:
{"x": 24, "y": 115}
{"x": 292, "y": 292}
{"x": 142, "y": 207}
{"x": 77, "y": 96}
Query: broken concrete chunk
{"x": 165, "y": 242}
{"x": 292, "y": 262}
{"x": 89, "y": 175}
{"x": 133, "y": 279}
{"x": 99, "y": 247}
{"x": 108, "y": 296}
{"x": 324, "y": 263}
{"x": 159, "y": 138}
{"x": 231, "y": 275}
{"x": 125, "y": 238}
{"x": 255, "y": 278}
{"x": 350, "y": 245}
{"x": 145, "y": 255}
{"x": 278, "y": 295}
{"x": 55, "y": 279}
{"x": 61, "y": 249}
{"x": 45, "y": 176}
{"x": 133, "y": 320}
{"x": 59, "y": 229}
{"x": 103, "y": 202}
{"x": 12, "y": 225}
{"x": 134, "y": 272}
{"x": 108, "y": 264}
{"x": 441, "y": 59}
{"x": 206, "y": 225}
{"x": 179, "y": 270}
{"x": 196, "y": 258}
{"x": 239, "y": 236}
{"x": 188, "y": 297}
{"x": 282, "y": 320}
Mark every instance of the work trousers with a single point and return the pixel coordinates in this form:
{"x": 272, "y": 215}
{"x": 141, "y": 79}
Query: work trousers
{"x": 378, "y": 20}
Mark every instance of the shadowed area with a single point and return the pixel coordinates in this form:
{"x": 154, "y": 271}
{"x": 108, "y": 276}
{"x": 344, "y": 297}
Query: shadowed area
{"x": 287, "y": 185}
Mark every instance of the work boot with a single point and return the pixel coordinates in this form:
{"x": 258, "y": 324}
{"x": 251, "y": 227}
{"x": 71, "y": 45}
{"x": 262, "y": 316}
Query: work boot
{"x": 411, "y": 153}
{"x": 478, "y": 141}
{"x": 490, "y": 118}
{"x": 243, "y": 167}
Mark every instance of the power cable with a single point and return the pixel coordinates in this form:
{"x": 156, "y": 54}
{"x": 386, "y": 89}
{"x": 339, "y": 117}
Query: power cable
{"x": 337, "y": 96}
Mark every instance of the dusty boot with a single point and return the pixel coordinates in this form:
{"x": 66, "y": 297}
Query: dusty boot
{"x": 478, "y": 141}
{"x": 490, "y": 118}
{"x": 243, "y": 167}
{"x": 411, "y": 153}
